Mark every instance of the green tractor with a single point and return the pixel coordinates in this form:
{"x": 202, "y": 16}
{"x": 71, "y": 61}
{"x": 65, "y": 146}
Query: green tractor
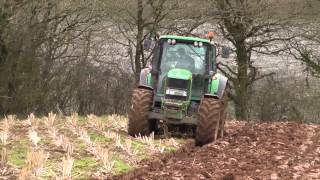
{"x": 182, "y": 87}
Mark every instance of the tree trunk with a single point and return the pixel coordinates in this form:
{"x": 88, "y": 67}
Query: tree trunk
{"x": 139, "y": 39}
{"x": 242, "y": 89}
{"x": 241, "y": 105}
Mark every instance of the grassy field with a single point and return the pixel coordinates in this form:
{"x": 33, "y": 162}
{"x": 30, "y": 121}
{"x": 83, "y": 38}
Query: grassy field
{"x": 74, "y": 147}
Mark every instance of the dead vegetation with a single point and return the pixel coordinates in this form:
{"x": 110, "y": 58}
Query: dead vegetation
{"x": 73, "y": 147}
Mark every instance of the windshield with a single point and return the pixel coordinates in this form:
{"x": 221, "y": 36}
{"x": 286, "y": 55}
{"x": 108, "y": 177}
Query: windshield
{"x": 184, "y": 56}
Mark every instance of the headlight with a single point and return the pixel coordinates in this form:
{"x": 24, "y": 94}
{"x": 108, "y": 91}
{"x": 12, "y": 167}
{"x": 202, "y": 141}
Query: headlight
{"x": 176, "y": 92}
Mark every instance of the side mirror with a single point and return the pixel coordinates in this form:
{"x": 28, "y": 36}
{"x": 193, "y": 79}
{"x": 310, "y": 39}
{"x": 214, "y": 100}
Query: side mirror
{"x": 225, "y": 52}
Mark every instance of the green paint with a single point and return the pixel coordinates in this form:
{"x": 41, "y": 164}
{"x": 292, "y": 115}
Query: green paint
{"x": 149, "y": 79}
{"x": 182, "y": 106}
{"x": 180, "y": 74}
{"x": 215, "y": 84}
{"x": 193, "y": 98}
{"x": 185, "y": 38}
{"x": 180, "y": 113}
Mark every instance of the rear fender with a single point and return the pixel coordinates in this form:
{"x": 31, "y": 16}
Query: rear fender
{"x": 217, "y": 86}
{"x": 145, "y": 78}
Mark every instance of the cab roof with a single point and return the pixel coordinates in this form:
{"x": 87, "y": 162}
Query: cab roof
{"x": 186, "y": 38}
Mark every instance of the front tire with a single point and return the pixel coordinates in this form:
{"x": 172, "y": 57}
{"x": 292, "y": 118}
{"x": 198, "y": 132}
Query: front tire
{"x": 138, "y": 115}
{"x": 209, "y": 121}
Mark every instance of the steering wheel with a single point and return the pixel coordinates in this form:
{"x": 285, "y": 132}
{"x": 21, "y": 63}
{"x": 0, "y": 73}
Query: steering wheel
{"x": 186, "y": 64}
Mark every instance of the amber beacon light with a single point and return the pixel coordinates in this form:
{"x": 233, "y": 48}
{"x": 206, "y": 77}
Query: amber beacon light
{"x": 210, "y": 35}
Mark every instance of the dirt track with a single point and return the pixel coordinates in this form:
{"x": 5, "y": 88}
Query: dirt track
{"x": 249, "y": 151}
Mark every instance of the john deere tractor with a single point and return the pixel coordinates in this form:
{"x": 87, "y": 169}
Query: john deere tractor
{"x": 181, "y": 87}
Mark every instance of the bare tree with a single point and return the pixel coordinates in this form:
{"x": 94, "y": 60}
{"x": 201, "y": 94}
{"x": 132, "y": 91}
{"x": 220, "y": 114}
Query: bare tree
{"x": 251, "y": 27}
{"x": 306, "y": 48}
{"x": 42, "y": 39}
{"x": 139, "y": 19}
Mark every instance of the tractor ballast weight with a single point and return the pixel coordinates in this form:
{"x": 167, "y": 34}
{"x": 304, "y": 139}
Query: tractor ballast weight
{"x": 182, "y": 87}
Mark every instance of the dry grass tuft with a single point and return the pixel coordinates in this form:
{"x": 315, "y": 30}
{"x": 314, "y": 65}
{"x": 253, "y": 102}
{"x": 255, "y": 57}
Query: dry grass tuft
{"x": 6, "y": 126}
{"x": 118, "y": 141}
{"x": 58, "y": 140}
{"x": 95, "y": 149}
{"x": 34, "y": 138}
{"x": 50, "y": 120}
{"x": 67, "y": 145}
{"x": 83, "y": 135}
{"x": 3, "y": 156}
{"x": 119, "y": 123}
{"x": 110, "y": 134}
{"x": 4, "y": 135}
{"x": 67, "y": 165}
{"x": 33, "y": 121}
{"x": 34, "y": 164}
{"x": 172, "y": 142}
{"x": 4, "y": 168}
{"x": 105, "y": 157}
{"x": 8, "y": 122}
{"x": 53, "y": 132}
{"x": 96, "y": 122}
{"x": 150, "y": 142}
{"x": 128, "y": 148}
{"x": 73, "y": 119}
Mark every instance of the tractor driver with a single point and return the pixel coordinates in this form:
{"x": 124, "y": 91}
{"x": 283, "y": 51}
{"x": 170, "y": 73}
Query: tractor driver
{"x": 184, "y": 60}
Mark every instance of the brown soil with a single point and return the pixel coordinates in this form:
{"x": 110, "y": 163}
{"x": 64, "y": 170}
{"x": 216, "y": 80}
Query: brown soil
{"x": 248, "y": 151}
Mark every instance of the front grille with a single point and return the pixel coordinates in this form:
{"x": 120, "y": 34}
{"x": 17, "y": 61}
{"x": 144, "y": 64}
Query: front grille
{"x": 177, "y": 83}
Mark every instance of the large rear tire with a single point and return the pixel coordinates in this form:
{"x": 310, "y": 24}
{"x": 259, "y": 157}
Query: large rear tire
{"x": 138, "y": 115}
{"x": 209, "y": 120}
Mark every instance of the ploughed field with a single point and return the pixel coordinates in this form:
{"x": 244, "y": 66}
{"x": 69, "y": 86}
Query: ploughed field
{"x": 249, "y": 151}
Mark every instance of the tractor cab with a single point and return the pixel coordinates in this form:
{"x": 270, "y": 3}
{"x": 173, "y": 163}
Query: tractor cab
{"x": 180, "y": 55}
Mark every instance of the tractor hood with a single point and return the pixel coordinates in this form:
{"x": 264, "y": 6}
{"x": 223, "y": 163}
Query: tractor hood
{"x": 177, "y": 93}
{"x": 180, "y": 74}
